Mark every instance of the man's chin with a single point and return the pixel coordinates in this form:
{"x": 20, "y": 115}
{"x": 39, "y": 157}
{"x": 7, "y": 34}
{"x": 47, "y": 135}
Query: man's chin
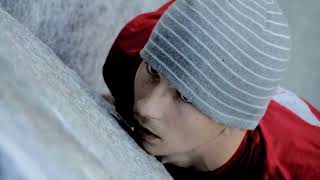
{"x": 148, "y": 147}
{"x": 182, "y": 160}
{"x": 152, "y": 149}
{"x": 168, "y": 160}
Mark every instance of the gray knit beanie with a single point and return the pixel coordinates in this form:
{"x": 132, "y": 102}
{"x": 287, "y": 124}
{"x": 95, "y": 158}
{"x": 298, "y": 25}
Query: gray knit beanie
{"x": 226, "y": 56}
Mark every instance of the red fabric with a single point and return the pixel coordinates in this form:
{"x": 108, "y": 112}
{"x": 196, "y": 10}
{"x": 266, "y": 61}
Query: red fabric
{"x": 283, "y": 146}
{"x": 292, "y": 145}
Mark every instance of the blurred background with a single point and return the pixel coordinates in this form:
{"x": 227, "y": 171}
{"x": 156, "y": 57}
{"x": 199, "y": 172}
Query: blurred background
{"x": 303, "y": 76}
{"x": 81, "y": 33}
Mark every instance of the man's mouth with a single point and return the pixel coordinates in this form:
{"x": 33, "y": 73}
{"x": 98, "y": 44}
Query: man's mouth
{"x": 146, "y": 134}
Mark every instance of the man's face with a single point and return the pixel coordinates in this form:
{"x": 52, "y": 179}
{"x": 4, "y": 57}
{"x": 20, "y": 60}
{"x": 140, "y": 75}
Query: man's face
{"x": 175, "y": 125}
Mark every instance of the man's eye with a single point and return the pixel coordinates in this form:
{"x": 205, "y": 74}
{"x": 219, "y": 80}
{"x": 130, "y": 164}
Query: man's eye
{"x": 183, "y": 98}
{"x": 152, "y": 71}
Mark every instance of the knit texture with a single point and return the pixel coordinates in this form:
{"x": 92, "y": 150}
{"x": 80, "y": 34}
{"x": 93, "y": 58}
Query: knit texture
{"x": 226, "y": 56}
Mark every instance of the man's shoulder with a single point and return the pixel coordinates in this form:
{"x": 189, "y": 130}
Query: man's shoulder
{"x": 289, "y": 131}
{"x": 295, "y": 104}
{"x": 288, "y": 115}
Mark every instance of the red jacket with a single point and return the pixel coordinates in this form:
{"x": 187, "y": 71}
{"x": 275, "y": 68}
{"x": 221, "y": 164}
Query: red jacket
{"x": 285, "y": 145}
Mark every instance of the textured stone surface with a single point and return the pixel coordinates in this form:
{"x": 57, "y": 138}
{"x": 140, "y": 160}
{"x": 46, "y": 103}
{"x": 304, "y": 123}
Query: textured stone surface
{"x": 80, "y": 32}
{"x": 52, "y": 125}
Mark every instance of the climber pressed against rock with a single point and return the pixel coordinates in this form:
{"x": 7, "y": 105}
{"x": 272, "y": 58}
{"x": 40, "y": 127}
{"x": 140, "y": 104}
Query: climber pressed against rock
{"x": 199, "y": 81}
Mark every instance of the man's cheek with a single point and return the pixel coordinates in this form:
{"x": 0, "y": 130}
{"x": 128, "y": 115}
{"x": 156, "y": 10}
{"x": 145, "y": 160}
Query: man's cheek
{"x": 139, "y": 92}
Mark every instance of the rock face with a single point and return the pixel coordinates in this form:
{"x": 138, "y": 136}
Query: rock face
{"x": 80, "y": 32}
{"x": 52, "y": 126}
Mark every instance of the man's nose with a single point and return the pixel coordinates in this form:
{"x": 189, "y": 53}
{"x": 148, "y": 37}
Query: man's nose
{"x": 156, "y": 102}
